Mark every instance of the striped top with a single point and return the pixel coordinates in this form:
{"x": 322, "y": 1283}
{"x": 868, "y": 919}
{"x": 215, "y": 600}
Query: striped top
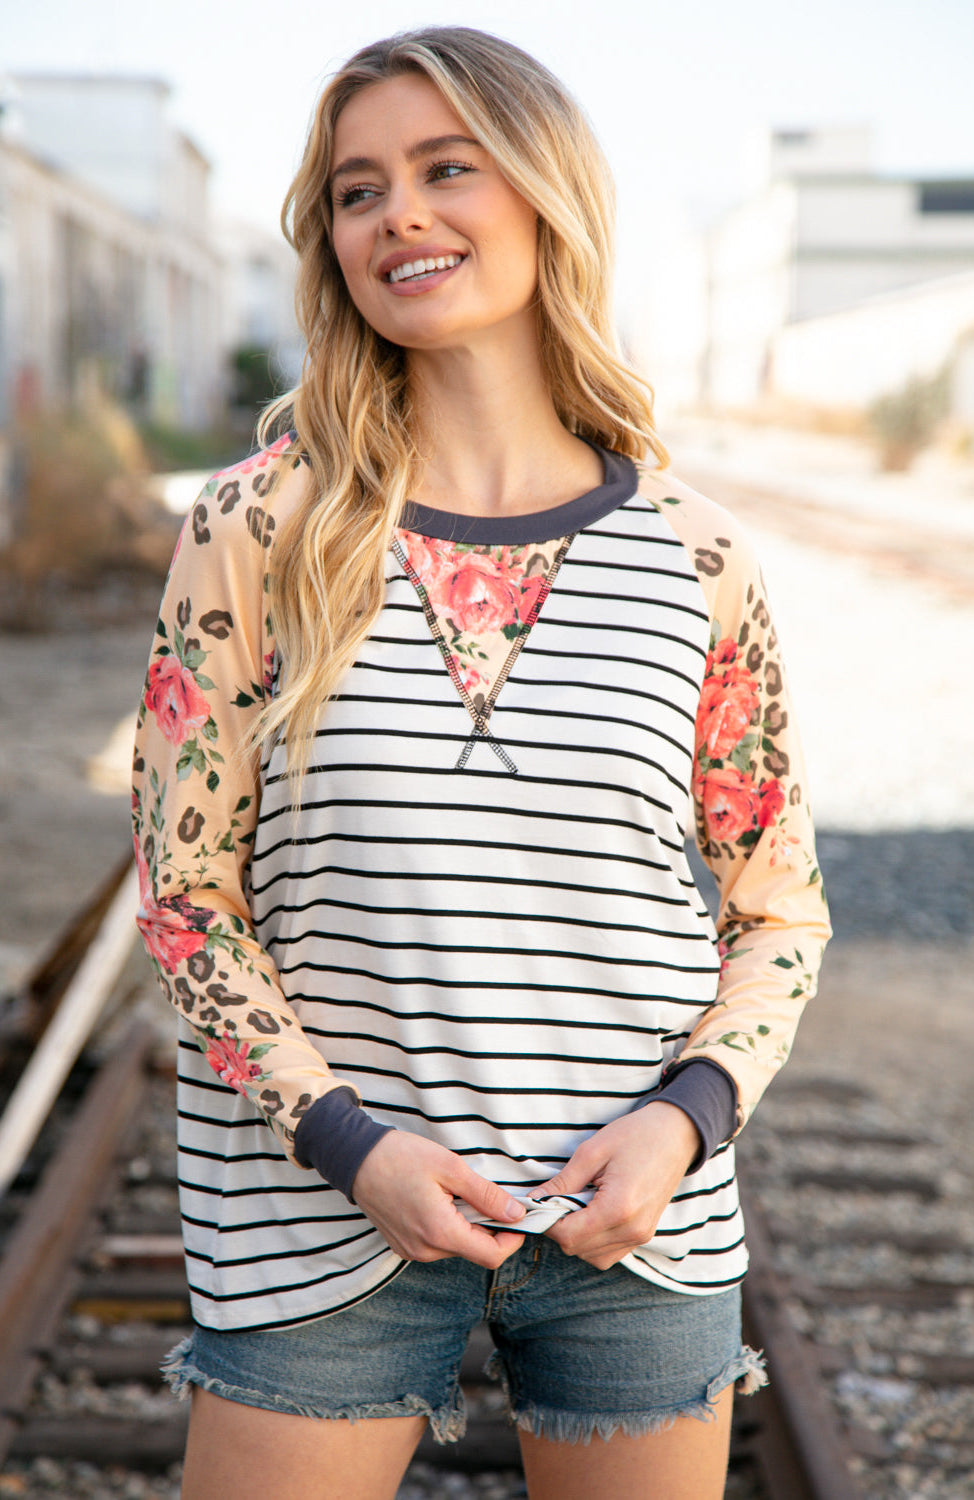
{"x": 484, "y": 920}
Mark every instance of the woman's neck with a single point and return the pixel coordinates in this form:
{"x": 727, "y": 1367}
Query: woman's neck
{"x": 493, "y": 442}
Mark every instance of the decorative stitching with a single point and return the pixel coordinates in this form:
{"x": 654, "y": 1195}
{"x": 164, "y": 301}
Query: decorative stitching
{"x": 481, "y": 716}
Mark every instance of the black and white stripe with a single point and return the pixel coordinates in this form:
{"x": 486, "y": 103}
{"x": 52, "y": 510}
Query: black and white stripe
{"x": 502, "y": 962}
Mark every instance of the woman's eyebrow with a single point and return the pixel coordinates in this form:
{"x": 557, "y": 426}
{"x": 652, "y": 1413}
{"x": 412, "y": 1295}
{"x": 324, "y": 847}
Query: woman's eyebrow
{"x": 421, "y": 148}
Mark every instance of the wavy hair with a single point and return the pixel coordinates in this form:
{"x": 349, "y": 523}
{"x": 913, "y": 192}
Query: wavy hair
{"x": 351, "y": 411}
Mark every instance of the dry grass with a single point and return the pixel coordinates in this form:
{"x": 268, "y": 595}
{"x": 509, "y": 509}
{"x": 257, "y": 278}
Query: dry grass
{"x": 84, "y": 508}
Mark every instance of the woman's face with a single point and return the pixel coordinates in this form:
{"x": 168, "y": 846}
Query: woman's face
{"x": 437, "y": 249}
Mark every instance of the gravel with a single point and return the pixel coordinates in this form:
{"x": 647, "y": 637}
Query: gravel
{"x": 911, "y": 1433}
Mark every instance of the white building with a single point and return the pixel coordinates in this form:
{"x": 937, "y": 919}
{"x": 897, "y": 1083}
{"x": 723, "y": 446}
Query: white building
{"x": 847, "y": 360}
{"x": 823, "y": 234}
{"x": 258, "y": 303}
{"x": 108, "y": 272}
{"x": 113, "y": 132}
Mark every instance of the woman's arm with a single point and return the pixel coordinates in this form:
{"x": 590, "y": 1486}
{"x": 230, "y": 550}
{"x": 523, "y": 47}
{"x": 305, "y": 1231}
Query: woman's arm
{"x": 754, "y": 829}
{"x": 194, "y": 806}
{"x": 195, "y": 795}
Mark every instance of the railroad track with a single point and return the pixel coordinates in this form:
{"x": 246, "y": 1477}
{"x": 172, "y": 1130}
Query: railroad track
{"x": 870, "y": 1233}
{"x": 872, "y": 1391}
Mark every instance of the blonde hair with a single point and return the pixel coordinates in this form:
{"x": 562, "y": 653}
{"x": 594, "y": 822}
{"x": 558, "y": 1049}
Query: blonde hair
{"x": 351, "y": 411}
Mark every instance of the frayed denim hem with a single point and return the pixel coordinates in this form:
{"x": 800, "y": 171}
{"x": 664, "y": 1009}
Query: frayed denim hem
{"x": 447, "y": 1423}
{"x": 746, "y": 1370}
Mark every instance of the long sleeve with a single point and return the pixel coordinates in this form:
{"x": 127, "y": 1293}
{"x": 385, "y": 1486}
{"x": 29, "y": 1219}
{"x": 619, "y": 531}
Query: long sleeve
{"x": 753, "y": 824}
{"x": 195, "y": 795}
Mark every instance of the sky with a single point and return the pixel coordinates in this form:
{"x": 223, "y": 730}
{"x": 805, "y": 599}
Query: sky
{"x": 677, "y": 93}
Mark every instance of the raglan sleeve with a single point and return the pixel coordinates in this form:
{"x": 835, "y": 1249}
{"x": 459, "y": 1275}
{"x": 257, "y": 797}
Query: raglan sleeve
{"x": 753, "y": 828}
{"x": 195, "y": 801}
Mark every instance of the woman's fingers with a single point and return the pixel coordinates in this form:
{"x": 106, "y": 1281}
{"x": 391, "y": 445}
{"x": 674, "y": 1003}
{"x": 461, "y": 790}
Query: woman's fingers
{"x": 406, "y": 1187}
{"x": 605, "y": 1231}
{"x": 636, "y": 1164}
{"x": 506, "y": 1243}
{"x": 577, "y": 1174}
{"x": 486, "y": 1197}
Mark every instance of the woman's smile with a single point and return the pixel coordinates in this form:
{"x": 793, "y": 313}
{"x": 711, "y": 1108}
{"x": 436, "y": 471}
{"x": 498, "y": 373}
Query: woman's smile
{"x": 423, "y": 268}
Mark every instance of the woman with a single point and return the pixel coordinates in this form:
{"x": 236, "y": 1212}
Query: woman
{"x": 487, "y": 662}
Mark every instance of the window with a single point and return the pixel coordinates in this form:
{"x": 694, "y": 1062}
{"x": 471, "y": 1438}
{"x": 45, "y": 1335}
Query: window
{"x": 946, "y": 197}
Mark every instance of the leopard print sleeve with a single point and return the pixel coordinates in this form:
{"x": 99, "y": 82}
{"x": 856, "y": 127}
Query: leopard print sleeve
{"x": 195, "y": 798}
{"x": 751, "y": 809}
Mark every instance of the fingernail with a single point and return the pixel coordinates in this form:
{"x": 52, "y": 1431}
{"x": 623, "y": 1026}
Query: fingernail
{"x": 514, "y": 1210}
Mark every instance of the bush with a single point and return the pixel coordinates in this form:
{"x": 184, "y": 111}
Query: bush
{"x": 255, "y": 377}
{"x": 83, "y": 507}
{"x": 906, "y": 420}
{"x": 170, "y": 448}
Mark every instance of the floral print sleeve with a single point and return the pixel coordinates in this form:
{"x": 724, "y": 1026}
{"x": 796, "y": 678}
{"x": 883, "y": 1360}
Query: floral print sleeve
{"x": 753, "y": 825}
{"x": 194, "y": 800}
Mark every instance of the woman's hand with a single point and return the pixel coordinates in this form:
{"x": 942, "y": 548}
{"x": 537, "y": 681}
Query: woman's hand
{"x": 636, "y": 1164}
{"x": 406, "y": 1187}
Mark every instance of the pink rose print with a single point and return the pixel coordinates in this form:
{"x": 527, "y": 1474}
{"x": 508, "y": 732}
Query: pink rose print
{"x": 173, "y": 696}
{"x": 169, "y": 946}
{"x": 262, "y": 459}
{"x": 424, "y": 557}
{"x": 771, "y": 800}
{"x": 173, "y": 930}
{"x": 228, "y": 1058}
{"x": 727, "y": 703}
{"x": 477, "y": 593}
{"x": 729, "y": 802}
{"x": 529, "y": 591}
{"x": 481, "y": 602}
{"x": 468, "y": 675}
{"x": 186, "y": 526}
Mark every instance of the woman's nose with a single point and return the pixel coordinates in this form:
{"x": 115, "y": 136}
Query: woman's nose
{"x": 406, "y": 210}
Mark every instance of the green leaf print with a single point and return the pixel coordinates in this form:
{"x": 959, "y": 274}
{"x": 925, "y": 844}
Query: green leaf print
{"x": 730, "y": 1039}
{"x": 742, "y": 754}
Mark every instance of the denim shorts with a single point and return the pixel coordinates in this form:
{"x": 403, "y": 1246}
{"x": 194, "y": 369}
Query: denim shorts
{"x": 579, "y": 1351}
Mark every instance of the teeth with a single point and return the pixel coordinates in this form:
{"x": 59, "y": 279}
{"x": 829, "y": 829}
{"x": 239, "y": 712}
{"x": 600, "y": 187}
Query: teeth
{"x": 423, "y": 267}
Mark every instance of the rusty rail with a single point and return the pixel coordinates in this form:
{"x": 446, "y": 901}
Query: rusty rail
{"x": 37, "y": 1280}
{"x": 798, "y": 1445}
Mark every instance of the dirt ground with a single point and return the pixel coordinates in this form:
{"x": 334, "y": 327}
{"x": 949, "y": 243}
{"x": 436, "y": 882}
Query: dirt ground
{"x": 66, "y": 702}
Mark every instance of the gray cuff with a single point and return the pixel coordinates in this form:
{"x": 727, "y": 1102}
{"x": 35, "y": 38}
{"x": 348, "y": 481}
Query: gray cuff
{"x": 705, "y": 1092}
{"x": 335, "y": 1137}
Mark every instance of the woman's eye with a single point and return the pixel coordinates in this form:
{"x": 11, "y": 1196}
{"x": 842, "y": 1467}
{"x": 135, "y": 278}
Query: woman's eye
{"x": 346, "y": 197}
{"x": 440, "y": 170}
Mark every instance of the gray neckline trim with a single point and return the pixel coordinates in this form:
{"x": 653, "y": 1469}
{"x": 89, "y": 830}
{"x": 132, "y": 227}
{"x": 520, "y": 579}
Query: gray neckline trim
{"x": 618, "y": 486}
